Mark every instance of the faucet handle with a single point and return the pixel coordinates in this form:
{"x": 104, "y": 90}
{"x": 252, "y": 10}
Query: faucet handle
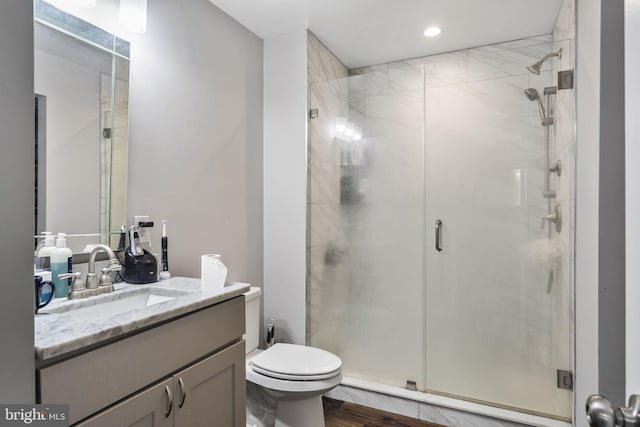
{"x": 76, "y": 285}
{"x": 105, "y": 279}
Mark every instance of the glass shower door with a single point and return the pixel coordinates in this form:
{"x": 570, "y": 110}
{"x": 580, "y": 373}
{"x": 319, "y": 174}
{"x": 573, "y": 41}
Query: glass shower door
{"x": 498, "y": 290}
{"x": 366, "y": 225}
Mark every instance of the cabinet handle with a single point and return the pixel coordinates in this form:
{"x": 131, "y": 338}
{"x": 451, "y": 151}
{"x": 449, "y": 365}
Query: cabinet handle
{"x": 169, "y": 401}
{"x": 438, "y": 235}
{"x": 182, "y": 391}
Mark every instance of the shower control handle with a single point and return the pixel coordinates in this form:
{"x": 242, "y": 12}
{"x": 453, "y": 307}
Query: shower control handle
{"x": 438, "y": 235}
{"x": 554, "y": 218}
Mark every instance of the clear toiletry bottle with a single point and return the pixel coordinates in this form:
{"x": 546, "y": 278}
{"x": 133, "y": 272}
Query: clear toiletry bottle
{"x": 61, "y": 263}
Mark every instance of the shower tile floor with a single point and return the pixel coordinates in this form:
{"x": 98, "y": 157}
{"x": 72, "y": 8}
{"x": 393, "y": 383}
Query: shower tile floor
{"x": 344, "y": 414}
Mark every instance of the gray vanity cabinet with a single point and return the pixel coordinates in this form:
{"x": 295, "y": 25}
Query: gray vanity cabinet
{"x": 208, "y": 393}
{"x": 188, "y": 372}
{"x": 148, "y": 408}
{"x": 212, "y": 392}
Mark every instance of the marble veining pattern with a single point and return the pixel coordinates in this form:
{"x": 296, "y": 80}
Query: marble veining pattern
{"x": 453, "y": 418}
{"x": 322, "y": 64}
{"x": 392, "y": 404}
{"x": 328, "y": 91}
{"x": 433, "y": 408}
{"x": 565, "y": 28}
{"x": 60, "y": 333}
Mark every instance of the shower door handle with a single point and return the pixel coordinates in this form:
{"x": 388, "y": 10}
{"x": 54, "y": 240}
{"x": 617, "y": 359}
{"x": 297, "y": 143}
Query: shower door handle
{"x": 438, "y": 235}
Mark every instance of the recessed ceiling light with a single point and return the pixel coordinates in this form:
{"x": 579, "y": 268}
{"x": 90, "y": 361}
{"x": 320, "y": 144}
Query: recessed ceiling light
{"x": 432, "y": 31}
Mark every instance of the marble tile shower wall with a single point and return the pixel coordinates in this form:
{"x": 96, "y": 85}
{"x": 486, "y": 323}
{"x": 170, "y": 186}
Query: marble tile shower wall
{"x": 477, "y": 95}
{"x": 395, "y": 103}
{"x": 328, "y": 92}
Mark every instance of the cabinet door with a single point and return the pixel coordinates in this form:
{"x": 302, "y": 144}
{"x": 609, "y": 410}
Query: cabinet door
{"x": 153, "y": 407}
{"x": 212, "y": 392}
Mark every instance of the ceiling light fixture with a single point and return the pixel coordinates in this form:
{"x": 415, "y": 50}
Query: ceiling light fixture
{"x": 133, "y": 14}
{"x": 432, "y": 31}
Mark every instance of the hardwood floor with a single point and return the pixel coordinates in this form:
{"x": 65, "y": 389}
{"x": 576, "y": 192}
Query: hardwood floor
{"x": 344, "y": 414}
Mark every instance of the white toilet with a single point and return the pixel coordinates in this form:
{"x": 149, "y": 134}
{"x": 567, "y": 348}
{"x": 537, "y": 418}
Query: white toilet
{"x": 285, "y": 383}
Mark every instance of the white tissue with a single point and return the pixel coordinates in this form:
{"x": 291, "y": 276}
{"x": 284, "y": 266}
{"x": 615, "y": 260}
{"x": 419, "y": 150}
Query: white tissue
{"x": 213, "y": 271}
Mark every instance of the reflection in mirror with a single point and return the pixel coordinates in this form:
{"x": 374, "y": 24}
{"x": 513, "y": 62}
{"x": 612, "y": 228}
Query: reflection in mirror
{"x": 81, "y": 118}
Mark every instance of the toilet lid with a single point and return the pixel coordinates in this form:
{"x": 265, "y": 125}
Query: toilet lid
{"x": 296, "y": 362}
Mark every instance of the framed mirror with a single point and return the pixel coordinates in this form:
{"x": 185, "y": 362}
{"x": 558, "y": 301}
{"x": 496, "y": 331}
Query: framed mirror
{"x": 81, "y": 109}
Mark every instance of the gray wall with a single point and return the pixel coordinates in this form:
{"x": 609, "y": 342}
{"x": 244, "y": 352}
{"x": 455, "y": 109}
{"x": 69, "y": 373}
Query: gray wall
{"x": 285, "y": 183}
{"x": 196, "y": 136}
{"x": 611, "y": 274}
{"x": 632, "y": 201}
{"x": 16, "y": 210}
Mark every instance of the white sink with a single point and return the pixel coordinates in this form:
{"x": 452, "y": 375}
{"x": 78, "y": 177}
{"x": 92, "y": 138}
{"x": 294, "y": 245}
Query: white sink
{"x": 113, "y": 304}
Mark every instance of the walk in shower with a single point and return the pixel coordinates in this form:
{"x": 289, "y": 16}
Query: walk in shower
{"x": 434, "y": 258}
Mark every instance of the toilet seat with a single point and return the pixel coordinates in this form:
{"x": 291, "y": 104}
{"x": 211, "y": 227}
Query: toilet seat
{"x": 296, "y": 387}
{"x": 281, "y": 376}
{"x": 296, "y": 363}
{"x": 301, "y": 374}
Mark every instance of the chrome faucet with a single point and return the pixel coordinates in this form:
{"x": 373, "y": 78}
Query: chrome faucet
{"x": 104, "y": 285}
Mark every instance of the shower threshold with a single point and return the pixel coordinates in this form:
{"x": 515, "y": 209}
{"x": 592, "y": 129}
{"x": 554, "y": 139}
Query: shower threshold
{"x": 435, "y": 408}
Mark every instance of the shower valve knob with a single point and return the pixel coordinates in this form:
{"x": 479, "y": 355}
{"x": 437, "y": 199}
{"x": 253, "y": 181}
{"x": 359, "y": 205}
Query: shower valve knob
{"x": 554, "y": 218}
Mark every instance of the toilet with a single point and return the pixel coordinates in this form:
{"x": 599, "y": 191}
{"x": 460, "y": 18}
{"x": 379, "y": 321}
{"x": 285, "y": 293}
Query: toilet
{"x": 285, "y": 383}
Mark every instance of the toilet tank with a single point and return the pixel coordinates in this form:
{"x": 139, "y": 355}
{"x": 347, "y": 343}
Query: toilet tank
{"x": 252, "y": 318}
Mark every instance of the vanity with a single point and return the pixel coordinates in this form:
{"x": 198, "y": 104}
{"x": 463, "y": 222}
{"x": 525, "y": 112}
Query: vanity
{"x": 169, "y": 353}
{"x": 166, "y": 354}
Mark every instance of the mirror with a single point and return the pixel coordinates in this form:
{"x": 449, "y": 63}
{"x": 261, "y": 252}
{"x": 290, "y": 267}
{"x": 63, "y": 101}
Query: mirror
{"x": 81, "y": 114}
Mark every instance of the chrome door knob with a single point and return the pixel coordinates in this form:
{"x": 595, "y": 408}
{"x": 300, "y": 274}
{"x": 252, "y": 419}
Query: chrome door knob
{"x": 600, "y": 413}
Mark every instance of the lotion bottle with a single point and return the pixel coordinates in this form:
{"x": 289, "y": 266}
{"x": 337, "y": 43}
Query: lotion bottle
{"x": 60, "y": 259}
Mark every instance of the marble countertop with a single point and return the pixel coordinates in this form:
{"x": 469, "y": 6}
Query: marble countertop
{"x": 58, "y": 331}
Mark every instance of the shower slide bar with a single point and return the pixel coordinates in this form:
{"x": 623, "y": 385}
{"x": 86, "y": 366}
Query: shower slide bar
{"x": 547, "y": 122}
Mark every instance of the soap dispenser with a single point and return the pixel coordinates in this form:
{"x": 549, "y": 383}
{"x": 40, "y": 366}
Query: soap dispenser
{"x": 45, "y": 251}
{"x": 61, "y": 263}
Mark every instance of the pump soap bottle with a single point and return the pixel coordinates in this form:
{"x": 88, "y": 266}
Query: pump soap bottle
{"x": 61, "y": 258}
{"x": 44, "y": 256}
{"x": 45, "y": 251}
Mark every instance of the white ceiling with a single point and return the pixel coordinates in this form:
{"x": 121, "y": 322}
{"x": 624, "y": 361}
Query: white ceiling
{"x": 368, "y": 32}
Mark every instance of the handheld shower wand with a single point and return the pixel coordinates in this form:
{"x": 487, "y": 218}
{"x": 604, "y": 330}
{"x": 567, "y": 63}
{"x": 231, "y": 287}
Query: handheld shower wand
{"x": 533, "y": 95}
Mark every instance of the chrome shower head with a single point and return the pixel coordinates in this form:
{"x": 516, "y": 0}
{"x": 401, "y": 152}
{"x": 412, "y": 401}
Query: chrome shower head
{"x": 533, "y": 95}
{"x": 535, "y": 68}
